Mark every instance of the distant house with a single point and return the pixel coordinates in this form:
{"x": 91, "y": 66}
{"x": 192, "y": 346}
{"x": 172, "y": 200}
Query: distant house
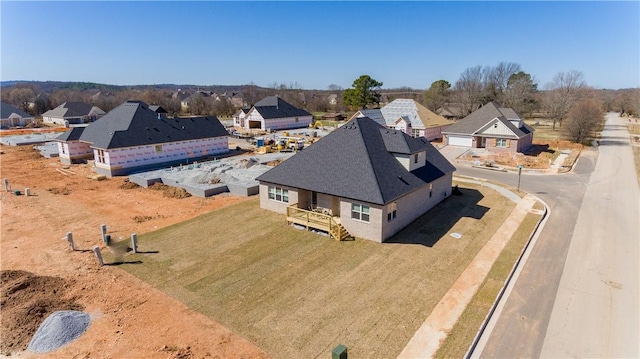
{"x": 72, "y": 113}
{"x": 132, "y": 137}
{"x": 451, "y": 111}
{"x": 272, "y": 113}
{"x": 492, "y": 127}
{"x": 362, "y": 179}
{"x": 13, "y": 116}
{"x": 409, "y": 117}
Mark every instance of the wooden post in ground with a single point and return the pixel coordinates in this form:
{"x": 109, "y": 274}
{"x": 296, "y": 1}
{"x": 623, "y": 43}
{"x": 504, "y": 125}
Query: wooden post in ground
{"x": 7, "y": 187}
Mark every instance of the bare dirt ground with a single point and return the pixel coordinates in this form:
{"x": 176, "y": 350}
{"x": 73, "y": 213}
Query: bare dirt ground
{"x": 539, "y": 156}
{"x": 130, "y": 318}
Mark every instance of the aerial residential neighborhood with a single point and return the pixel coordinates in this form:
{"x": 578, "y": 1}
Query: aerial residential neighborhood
{"x": 315, "y": 180}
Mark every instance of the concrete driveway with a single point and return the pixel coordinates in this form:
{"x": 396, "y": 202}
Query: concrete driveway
{"x": 453, "y": 152}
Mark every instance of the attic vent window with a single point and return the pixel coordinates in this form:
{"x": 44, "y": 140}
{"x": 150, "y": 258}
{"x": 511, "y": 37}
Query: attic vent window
{"x": 495, "y": 125}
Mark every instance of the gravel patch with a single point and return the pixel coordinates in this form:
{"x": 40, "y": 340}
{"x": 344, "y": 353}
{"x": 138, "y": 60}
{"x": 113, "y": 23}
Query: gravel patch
{"x": 58, "y": 329}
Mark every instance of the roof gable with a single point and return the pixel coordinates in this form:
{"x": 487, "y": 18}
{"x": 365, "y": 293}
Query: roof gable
{"x": 275, "y": 107}
{"x": 354, "y": 162}
{"x": 419, "y": 116}
{"x": 7, "y": 110}
{"x": 483, "y": 117}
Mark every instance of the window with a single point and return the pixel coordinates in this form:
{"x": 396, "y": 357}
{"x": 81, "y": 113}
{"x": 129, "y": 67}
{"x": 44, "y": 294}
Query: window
{"x": 101, "y": 156}
{"x": 392, "y": 212}
{"x": 314, "y": 198}
{"x": 158, "y": 148}
{"x": 360, "y": 212}
{"x": 501, "y": 142}
{"x": 279, "y": 194}
{"x": 415, "y": 133}
{"x": 415, "y": 158}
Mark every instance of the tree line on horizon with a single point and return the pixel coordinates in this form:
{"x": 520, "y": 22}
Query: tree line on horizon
{"x": 505, "y": 83}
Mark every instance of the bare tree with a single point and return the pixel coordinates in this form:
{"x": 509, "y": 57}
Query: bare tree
{"x": 582, "y": 120}
{"x": 561, "y": 94}
{"x": 469, "y": 88}
{"x": 22, "y": 97}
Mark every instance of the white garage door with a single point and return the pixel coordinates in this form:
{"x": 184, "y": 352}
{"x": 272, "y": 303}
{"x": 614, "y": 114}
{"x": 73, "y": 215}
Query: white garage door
{"x": 460, "y": 141}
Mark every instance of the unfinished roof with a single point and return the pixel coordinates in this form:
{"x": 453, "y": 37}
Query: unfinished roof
{"x": 73, "y": 109}
{"x": 419, "y": 116}
{"x": 8, "y": 109}
{"x": 480, "y": 118}
{"x": 134, "y": 124}
{"x": 356, "y": 162}
{"x": 275, "y": 107}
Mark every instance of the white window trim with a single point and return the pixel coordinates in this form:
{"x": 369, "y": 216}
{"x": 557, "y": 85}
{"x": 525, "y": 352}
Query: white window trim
{"x": 283, "y": 193}
{"x": 360, "y": 212}
{"x": 499, "y": 140}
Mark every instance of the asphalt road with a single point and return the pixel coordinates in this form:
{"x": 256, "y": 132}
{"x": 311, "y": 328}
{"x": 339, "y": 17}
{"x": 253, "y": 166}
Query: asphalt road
{"x": 577, "y": 277}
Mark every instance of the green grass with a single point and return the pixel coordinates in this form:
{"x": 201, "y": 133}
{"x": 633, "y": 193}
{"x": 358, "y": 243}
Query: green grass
{"x": 544, "y": 130}
{"x": 297, "y": 294}
{"x": 463, "y": 332}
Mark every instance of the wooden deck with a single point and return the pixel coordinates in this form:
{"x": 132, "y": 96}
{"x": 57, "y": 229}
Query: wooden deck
{"x": 317, "y": 220}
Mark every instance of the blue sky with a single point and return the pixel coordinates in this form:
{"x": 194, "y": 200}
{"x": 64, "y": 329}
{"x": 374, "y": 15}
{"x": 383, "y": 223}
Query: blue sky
{"x": 315, "y": 44}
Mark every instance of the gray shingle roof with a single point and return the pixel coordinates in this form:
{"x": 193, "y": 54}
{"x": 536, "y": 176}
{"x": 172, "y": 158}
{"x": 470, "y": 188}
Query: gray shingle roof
{"x": 374, "y": 114}
{"x": 134, "y": 124}
{"x": 71, "y": 135}
{"x": 7, "y": 109}
{"x": 481, "y": 117}
{"x": 275, "y": 107}
{"x": 73, "y": 109}
{"x": 355, "y": 162}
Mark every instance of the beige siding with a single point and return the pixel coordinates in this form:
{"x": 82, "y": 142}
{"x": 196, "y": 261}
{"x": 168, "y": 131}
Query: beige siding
{"x": 407, "y": 161}
{"x": 497, "y": 128}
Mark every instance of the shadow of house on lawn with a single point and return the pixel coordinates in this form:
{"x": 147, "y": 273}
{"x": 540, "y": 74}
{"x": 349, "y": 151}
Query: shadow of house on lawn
{"x": 437, "y": 222}
{"x": 537, "y": 149}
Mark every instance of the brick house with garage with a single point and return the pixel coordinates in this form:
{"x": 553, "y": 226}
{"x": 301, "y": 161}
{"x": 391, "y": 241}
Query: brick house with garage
{"x": 362, "y": 180}
{"x": 72, "y": 113}
{"x": 491, "y": 127}
{"x": 272, "y": 113}
{"x": 133, "y": 137}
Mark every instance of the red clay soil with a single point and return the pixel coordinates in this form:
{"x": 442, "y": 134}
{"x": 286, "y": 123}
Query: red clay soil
{"x": 40, "y": 274}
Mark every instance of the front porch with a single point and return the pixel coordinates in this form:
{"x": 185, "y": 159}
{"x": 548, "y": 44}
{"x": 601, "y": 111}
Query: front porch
{"x": 319, "y": 220}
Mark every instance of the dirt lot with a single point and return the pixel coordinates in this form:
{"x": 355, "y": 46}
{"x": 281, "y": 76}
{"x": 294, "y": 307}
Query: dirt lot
{"x": 130, "y": 318}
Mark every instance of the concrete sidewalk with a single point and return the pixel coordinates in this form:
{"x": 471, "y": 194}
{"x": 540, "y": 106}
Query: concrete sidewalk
{"x": 433, "y": 331}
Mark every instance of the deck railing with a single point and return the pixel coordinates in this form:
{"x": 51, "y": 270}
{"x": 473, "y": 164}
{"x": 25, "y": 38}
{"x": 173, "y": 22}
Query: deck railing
{"x": 315, "y": 220}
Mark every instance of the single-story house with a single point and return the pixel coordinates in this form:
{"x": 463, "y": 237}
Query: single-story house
{"x": 70, "y": 149}
{"x": 12, "y": 116}
{"x": 362, "y": 180}
{"x": 410, "y": 117}
{"x": 72, "y": 113}
{"x": 451, "y": 111}
{"x": 132, "y": 137}
{"x": 272, "y": 113}
{"x": 492, "y": 127}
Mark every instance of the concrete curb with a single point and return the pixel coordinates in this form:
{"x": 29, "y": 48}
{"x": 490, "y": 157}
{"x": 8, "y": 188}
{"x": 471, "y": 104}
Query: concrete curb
{"x": 480, "y": 340}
